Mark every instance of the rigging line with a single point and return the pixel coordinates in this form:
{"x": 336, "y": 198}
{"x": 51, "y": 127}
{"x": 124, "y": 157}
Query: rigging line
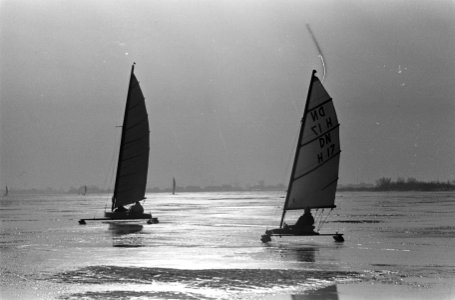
{"x": 290, "y": 160}
{"x": 317, "y": 215}
{"x": 278, "y": 208}
{"x": 109, "y": 178}
{"x": 319, "y": 218}
{"x": 321, "y": 56}
{"x": 325, "y": 220}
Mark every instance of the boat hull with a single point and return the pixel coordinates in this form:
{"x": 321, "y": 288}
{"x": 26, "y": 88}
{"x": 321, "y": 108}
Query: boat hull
{"x": 125, "y": 215}
{"x": 287, "y": 231}
{"x": 267, "y": 237}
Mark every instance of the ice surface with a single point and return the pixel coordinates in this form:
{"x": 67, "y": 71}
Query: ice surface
{"x": 207, "y": 246}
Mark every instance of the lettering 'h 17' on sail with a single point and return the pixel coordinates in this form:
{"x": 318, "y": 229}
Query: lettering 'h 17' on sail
{"x": 314, "y": 175}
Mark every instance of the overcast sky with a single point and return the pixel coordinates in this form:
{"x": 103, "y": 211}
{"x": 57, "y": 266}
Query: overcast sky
{"x": 225, "y": 83}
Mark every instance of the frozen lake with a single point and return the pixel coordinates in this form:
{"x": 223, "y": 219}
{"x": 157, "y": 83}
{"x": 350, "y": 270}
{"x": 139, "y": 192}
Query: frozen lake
{"x": 207, "y": 246}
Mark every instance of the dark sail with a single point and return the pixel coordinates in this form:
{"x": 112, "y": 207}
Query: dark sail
{"x": 131, "y": 178}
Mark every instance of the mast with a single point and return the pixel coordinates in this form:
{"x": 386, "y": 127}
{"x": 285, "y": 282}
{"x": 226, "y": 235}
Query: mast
{"x": 122, "y": 139}
{"x": 296, "y": 155}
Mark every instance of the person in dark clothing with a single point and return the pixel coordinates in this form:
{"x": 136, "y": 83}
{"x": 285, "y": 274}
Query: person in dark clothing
{"x": 120, "y": 209}
{"x": 136, "y": 209}
{"x": 304, "y": 224}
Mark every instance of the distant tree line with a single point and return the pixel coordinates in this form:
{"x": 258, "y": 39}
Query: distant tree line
{"x": 382, "y": 184}
{"x": 412, "y": 184}
{"x": 220, "y": 188}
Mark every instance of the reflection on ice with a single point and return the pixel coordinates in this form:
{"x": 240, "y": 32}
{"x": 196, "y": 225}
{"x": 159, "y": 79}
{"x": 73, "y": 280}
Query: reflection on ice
{"x": 123, "y": 234}
{"x": 304, "y": 254}
{"x": 124, "y": 228}
{"x": 327, "y": 293}
{"x": 297, "y": 252}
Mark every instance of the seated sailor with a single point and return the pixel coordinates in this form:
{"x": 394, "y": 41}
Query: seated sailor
{"x": 304, "y": 224}
{"x": 120, "y": 209}
{"x": 136, "y": 209}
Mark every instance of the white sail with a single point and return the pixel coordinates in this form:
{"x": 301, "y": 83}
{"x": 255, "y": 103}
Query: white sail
{"x": 131, "y": 178}
{"x": 314, "y": 176}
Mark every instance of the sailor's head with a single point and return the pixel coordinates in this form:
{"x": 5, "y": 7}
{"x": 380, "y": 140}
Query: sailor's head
{"x": 307, "y": 210}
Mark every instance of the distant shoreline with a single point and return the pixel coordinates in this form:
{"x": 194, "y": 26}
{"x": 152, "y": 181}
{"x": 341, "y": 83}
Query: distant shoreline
{"x": 383, "y": 184}
{"x": 374, "y": 189}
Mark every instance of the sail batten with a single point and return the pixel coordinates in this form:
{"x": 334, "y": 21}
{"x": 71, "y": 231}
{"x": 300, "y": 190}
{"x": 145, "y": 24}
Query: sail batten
{"x": 314, "y": 174}
{"x": 134, "y": 156}
{"x": 131, "y": 126}
{"x": 321, "y": 104}
{"x": 132, "y": 167}
{"x": 330, "y": 183}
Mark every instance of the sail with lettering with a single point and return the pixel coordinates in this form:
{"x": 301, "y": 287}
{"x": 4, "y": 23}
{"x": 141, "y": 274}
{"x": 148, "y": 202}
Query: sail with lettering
{"x": 133, "y": 160}
{"x": 314, "y": 175}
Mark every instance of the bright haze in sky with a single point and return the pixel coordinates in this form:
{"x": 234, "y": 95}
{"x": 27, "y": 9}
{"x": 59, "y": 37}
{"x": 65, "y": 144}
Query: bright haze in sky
{"x": 225, "y": 84}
